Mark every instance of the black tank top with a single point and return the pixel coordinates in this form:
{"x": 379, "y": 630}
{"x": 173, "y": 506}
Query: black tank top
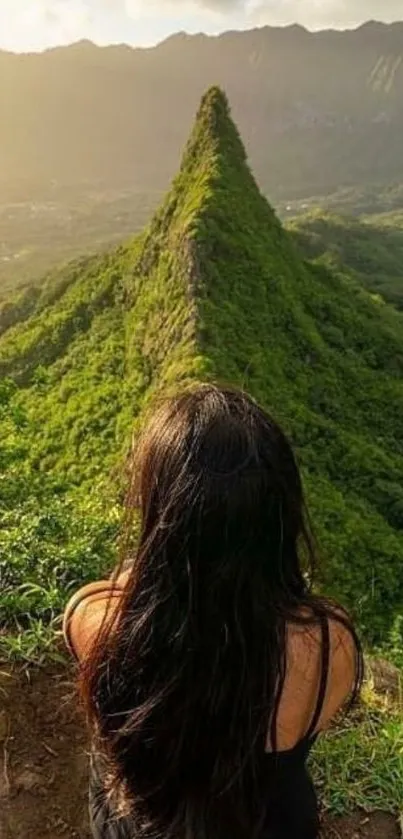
{"x": 289, "y": 808}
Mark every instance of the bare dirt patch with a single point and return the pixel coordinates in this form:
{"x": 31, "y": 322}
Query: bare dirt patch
{"x": 43, "y": 764}
{"x": 43, "y": 760}
{"x": 361, "y": 826}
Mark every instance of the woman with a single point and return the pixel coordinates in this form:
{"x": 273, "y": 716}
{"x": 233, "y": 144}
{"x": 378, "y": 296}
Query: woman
{"x": 208, "y": 668}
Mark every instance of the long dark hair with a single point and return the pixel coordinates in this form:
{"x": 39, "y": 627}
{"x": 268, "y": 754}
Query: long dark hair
{"x": 181, "y": 689}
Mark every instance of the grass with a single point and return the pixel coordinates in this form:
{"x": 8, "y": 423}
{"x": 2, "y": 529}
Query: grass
{"x": 34, "y": 643}
{"x": 358, "y": 764}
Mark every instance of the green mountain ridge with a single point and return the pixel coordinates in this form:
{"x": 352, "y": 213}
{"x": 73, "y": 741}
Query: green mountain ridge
{"x": 215, "y": 289}
{"x": 370, "y": 248}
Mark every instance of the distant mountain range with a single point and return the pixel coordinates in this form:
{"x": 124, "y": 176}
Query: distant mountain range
{"x": 317, "y": 110}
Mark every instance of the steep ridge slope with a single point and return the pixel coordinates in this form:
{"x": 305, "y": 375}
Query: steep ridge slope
{"x": 214, "y": 289}
{"x": 318, "y": 351}
{"x": 369, "y": 247}
{"x": 76, "y": 371}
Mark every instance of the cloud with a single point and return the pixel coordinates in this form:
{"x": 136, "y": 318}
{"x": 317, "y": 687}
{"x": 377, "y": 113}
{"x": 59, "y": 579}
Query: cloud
{"x": 224, "y": 5}
{"x": 35, "y": 24}
{"x": 135, "y": 8}
{"x": 318, "y": 13}
{"x": 67, "y": 16}
{"x": 280, "y": 12}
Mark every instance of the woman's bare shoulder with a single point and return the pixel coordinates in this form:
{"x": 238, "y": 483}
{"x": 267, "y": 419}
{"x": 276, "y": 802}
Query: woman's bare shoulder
{"x": 303, "y": 674}
{"x": 86, "y": 610}
{"x": 305, "y": 644}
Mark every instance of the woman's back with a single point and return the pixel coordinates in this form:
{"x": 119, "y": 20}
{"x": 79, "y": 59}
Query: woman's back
{"x": 209, "y": 668}
{"x": 324, "y": 650}
{"x": 321, "y": 666}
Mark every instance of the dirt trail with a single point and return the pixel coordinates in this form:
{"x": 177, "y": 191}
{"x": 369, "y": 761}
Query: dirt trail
{"x": 43, "y": 764}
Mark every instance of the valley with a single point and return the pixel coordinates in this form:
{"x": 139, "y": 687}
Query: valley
{"x": 54, "y": 227}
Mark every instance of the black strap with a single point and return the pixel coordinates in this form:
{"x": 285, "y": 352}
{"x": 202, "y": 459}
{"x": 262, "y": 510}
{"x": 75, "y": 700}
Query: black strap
{"x": 324, "y": 622}
{"x": 325, "y": 661}
{"x": 273, "y": 727}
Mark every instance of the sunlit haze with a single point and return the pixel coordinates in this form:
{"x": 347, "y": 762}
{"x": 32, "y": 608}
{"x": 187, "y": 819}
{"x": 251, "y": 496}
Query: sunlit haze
{"x": 38, "y": 24}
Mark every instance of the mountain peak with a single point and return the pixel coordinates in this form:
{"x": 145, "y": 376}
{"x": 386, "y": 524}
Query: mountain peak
{"x": 214, "y": 173}
{"x": 214, "y": 132}
{"x": 214, "y": 101}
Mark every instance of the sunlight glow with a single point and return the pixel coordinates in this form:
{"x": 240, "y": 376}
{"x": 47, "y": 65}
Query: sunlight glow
{"x": 37, "y": 24}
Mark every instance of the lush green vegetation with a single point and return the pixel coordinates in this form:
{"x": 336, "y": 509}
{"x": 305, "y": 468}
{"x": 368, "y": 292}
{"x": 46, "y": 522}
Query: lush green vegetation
{"x": 359, "y": 763}
{"x": 369, "y": 248}
{"x": 214, "y": 288}
{"x": 311, "y": 346}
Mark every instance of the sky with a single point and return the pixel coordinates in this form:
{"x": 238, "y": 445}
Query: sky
{"x": 37, "y": 24}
